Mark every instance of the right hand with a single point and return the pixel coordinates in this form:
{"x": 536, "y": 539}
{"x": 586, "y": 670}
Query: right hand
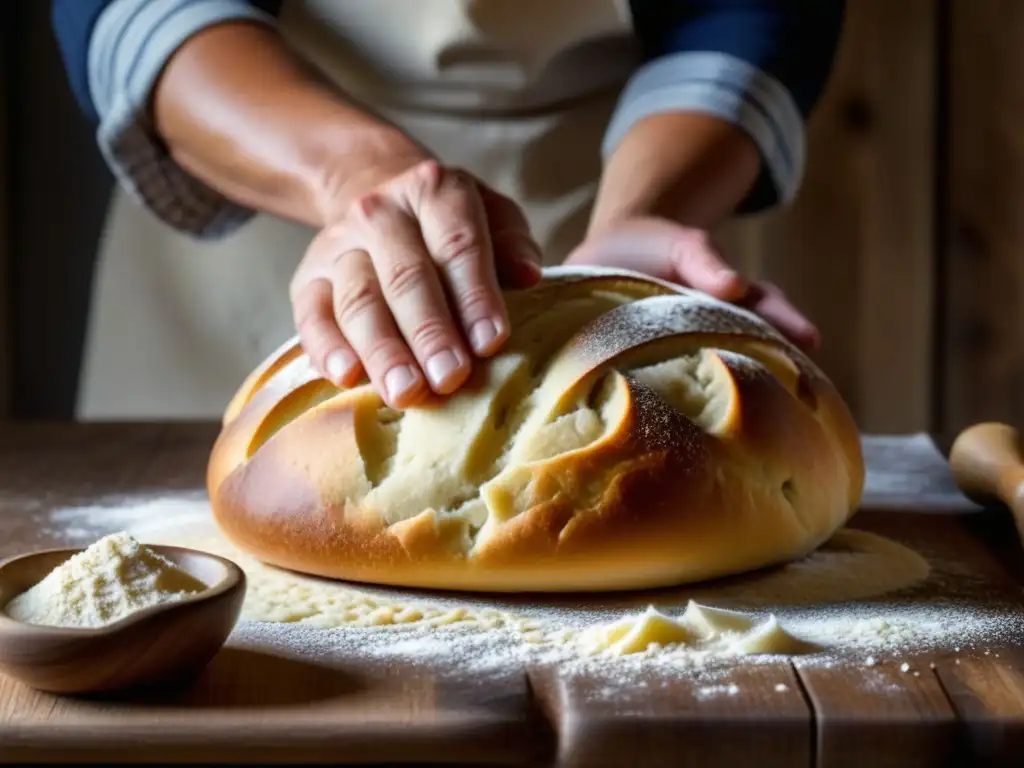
{"x": 685, "y": 255}
{"x": 402, "y": 286}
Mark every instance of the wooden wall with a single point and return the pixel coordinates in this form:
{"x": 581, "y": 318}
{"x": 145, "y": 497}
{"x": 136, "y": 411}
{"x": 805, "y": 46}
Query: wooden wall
{"x": 907, "y": 242}
{"x": 982, "y": 215}
{"x": 857, "y": 249}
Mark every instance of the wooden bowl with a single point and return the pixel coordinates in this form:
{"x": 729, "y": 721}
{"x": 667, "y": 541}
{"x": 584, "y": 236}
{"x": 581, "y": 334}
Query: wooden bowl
{"x": 152, "y": 646}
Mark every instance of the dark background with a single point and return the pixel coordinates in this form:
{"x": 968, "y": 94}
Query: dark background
{"x": 56, "y": 192}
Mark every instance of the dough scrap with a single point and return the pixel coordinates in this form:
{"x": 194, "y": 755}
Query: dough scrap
{"x": 637, "y": 634}
{"x": 701, "y": 628}
{"x": 710, "y": 622}
{"x": 771, "y": 639}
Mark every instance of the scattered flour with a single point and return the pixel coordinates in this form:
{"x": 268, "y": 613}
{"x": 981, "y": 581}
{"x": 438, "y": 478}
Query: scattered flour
{"x": 111, "y": 579}
{"x": 77, "y": 525}
{"x": 713, "y": 690}
{"x": 832, "y": 600}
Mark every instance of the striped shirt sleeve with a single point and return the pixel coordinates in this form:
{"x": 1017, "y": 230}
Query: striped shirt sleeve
{"x": 758, "y": 64}
{"x": 114, "y": 51}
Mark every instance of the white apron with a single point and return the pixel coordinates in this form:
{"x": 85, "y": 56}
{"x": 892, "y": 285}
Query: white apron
{"x": 519, "y": 92}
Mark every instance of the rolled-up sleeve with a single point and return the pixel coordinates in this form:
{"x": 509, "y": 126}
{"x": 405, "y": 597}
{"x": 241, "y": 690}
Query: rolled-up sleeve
{"x": 114, "y": 51}
{"x": 758, "y": 64}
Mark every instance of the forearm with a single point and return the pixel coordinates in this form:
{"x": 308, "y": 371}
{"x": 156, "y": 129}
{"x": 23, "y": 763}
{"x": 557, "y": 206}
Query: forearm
{"x": 691, "y": 168}
{"x": 714, "y": 122}
{"x": 241, "y": 112}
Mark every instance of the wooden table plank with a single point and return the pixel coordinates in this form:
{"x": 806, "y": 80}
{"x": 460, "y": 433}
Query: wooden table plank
{"x": 246, "y": 706}
{"x": 44, "y": 466}
{"x": 883, "y": 715}
{"x": 257, "y": 707}
{"x": 987, "y": 692}
{"x": 281, "y": 708}
{"x": 880, "y": 716}
{"x": 104, "y": 455}
{"x": 685, "y": 721}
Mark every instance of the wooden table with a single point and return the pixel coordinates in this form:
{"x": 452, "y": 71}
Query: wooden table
{"x": 253, "y": 708}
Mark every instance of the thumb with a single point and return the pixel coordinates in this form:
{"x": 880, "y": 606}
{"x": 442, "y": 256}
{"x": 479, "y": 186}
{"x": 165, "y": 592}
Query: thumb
{"x": 698, "y": 264}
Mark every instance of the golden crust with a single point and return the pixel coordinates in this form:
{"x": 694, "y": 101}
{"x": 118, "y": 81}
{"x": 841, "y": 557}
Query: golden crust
{"x": 631, "y": 435}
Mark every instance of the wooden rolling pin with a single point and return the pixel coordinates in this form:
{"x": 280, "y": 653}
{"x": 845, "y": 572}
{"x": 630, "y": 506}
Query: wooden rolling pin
{"x": 987, "y": 461}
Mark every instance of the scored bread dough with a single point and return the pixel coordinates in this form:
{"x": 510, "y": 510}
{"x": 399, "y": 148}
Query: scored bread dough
{"x": 701, "y": 628}
{"x": 630, "y": 434}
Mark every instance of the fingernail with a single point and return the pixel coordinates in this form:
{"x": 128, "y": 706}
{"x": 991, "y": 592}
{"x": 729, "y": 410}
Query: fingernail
{"x": 531, "y": 252}
{"x": 731, "y": 281}
{"x": 727, "y": 275}
{"x": 399, "y": 380}
{"x": 482, "y": 335}
{"x": 339, "y": 362}
{"x": 532, "y": 267}
{"x": 441, "y": 366}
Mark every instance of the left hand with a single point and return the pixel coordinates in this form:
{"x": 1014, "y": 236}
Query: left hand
{"x": 666, "y": 250}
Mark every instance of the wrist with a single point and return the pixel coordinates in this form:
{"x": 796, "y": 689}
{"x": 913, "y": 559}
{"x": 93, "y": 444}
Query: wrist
{"x": 689, "y": 168}
{"x": 241, "y": 111}
{"x": 338, "y": 172}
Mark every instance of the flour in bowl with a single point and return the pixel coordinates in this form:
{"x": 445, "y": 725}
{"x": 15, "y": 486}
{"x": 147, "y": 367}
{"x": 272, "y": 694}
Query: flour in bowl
{"x": 111, "y": 579}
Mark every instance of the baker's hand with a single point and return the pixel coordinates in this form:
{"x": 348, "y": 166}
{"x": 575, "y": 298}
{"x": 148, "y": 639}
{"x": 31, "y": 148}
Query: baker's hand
{"x": 403, "y": 285}
{"x": 666, "y": 250}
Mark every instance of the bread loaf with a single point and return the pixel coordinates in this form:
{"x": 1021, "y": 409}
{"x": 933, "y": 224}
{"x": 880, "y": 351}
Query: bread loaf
{"x": 630, "y": 434}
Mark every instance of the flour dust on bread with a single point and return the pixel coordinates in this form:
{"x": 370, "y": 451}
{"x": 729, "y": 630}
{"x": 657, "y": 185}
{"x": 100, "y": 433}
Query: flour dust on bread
{"x": 631, "y": 434}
